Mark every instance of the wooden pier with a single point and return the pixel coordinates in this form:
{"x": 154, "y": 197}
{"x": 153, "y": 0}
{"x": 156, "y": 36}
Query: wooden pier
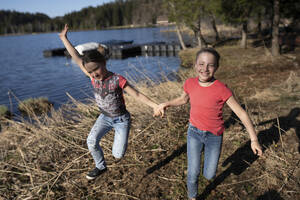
{"x": 119, "y": 49}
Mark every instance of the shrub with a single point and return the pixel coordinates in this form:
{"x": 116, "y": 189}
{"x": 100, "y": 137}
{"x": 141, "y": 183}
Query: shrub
{"x": 4, "y": 112}
{"x": 35, "y": 106}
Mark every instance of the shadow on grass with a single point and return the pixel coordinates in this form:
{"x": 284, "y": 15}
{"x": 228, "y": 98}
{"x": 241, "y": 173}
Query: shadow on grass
{"x": 233, "y": 119}
{"x": 168, "y": 159}
{"x": 243, "y": 157}
{"x": 270, "y": 195}
{"x": 287, "y": 42}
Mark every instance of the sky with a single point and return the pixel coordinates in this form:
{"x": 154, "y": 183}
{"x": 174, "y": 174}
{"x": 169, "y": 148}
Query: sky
{"x": 52, "y": 8}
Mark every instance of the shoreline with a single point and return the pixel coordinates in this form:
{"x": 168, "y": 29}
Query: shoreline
{"x": 110, "y": 28}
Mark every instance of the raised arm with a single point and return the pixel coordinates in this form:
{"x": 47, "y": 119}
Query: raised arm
{"x": 183, "y": 99}
{"x": 244, "y": 117}
{"x": 72, "y": 51}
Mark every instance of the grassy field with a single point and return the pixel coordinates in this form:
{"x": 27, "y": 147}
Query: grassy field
{"x": 46, "y": 157}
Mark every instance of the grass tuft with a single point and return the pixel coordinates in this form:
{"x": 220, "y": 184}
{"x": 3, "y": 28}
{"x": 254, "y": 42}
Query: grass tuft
{"x": 35, "y": 106}
{"x": 4, "y": 112}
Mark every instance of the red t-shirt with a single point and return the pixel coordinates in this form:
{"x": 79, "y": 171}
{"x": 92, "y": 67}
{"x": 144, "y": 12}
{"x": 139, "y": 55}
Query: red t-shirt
{"x": 207, "y": 104}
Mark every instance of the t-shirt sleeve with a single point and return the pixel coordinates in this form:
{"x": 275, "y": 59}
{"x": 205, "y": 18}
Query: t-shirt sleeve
{"x": 93, "y": 81}
{"x": 185, "y": 86}
{"x": 122, "y": 81}
{"x": 226, "y": 94}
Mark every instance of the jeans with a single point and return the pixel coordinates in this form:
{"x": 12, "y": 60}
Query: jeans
{"x": 102, "y": 126}
{"x": 196, "y": 140}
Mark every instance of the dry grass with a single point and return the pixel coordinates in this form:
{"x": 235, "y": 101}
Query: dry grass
{"x": 45, "y": 157}
{"x": 282, "y": 91}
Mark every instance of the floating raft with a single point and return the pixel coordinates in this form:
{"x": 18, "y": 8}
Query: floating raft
{"x": 120, "y": 49}
{"x": 54, "y": 52}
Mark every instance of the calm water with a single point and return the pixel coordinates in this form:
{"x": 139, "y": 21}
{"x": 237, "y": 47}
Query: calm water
{"x": 26, "y": 73}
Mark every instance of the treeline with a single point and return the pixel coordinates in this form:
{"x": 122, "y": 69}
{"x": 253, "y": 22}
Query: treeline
{"x": 16, "y": 22}
{"x": 117, "y": 13}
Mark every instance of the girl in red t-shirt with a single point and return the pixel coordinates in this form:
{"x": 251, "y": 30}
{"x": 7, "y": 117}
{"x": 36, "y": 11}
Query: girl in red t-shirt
{"x": 207, "y": 97}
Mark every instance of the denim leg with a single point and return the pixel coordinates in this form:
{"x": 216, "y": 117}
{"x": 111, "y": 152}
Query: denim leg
{"x": 194, "y": 148}
{"x": 122, "y": 127}
{"x": 100, "y": 128}
{"x": 212, "y": 151}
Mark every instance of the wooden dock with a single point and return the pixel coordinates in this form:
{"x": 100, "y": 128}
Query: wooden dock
{"x": 120, "y": 49}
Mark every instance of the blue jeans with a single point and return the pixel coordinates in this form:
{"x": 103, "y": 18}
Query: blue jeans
{"x": 196, "y": 140}
{"x": 102, "y": 126}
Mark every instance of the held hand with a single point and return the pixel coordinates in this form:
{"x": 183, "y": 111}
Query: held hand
{"x": 64, "y": 32}
{"x": 256, "y": 148}
{"x": 156, "y": 112}
{"x": 159, "y": 110}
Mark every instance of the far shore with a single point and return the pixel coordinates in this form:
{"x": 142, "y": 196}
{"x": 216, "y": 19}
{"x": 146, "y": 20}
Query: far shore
{"x": 108, "y": 28}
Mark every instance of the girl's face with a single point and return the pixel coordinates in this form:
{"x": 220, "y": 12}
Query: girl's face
{"x": 206, "y": 66}
{"x": 96, "y": 70}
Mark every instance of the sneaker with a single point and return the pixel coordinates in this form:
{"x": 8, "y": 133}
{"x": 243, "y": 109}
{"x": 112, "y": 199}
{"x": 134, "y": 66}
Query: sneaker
{"x": 95, "y": 173}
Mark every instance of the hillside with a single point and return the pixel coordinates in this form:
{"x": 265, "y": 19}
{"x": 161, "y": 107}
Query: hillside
{"x": 108, "y": 15}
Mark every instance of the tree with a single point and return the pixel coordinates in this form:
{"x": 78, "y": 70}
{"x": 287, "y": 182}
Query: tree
{"x": 174, "y": 15}
{"x": 290, "y": 9}
{"x": 238, "y": 12}
{"x": 275, "y": 28}
{"x": 211, "y": 8}
{"x": 192, "y": 16}
{"x": 187, "y": 13}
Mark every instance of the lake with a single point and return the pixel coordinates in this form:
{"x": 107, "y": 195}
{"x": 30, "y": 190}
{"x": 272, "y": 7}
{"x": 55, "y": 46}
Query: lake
{"x": 26, "y": 73}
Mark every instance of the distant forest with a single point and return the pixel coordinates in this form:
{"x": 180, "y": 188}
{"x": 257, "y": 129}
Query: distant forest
{"x": 117, "y": 13}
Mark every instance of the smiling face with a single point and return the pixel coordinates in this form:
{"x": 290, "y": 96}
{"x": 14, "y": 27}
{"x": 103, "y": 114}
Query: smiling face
{"x": 97, "y": 70}
{"x": 206, "y": 65}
